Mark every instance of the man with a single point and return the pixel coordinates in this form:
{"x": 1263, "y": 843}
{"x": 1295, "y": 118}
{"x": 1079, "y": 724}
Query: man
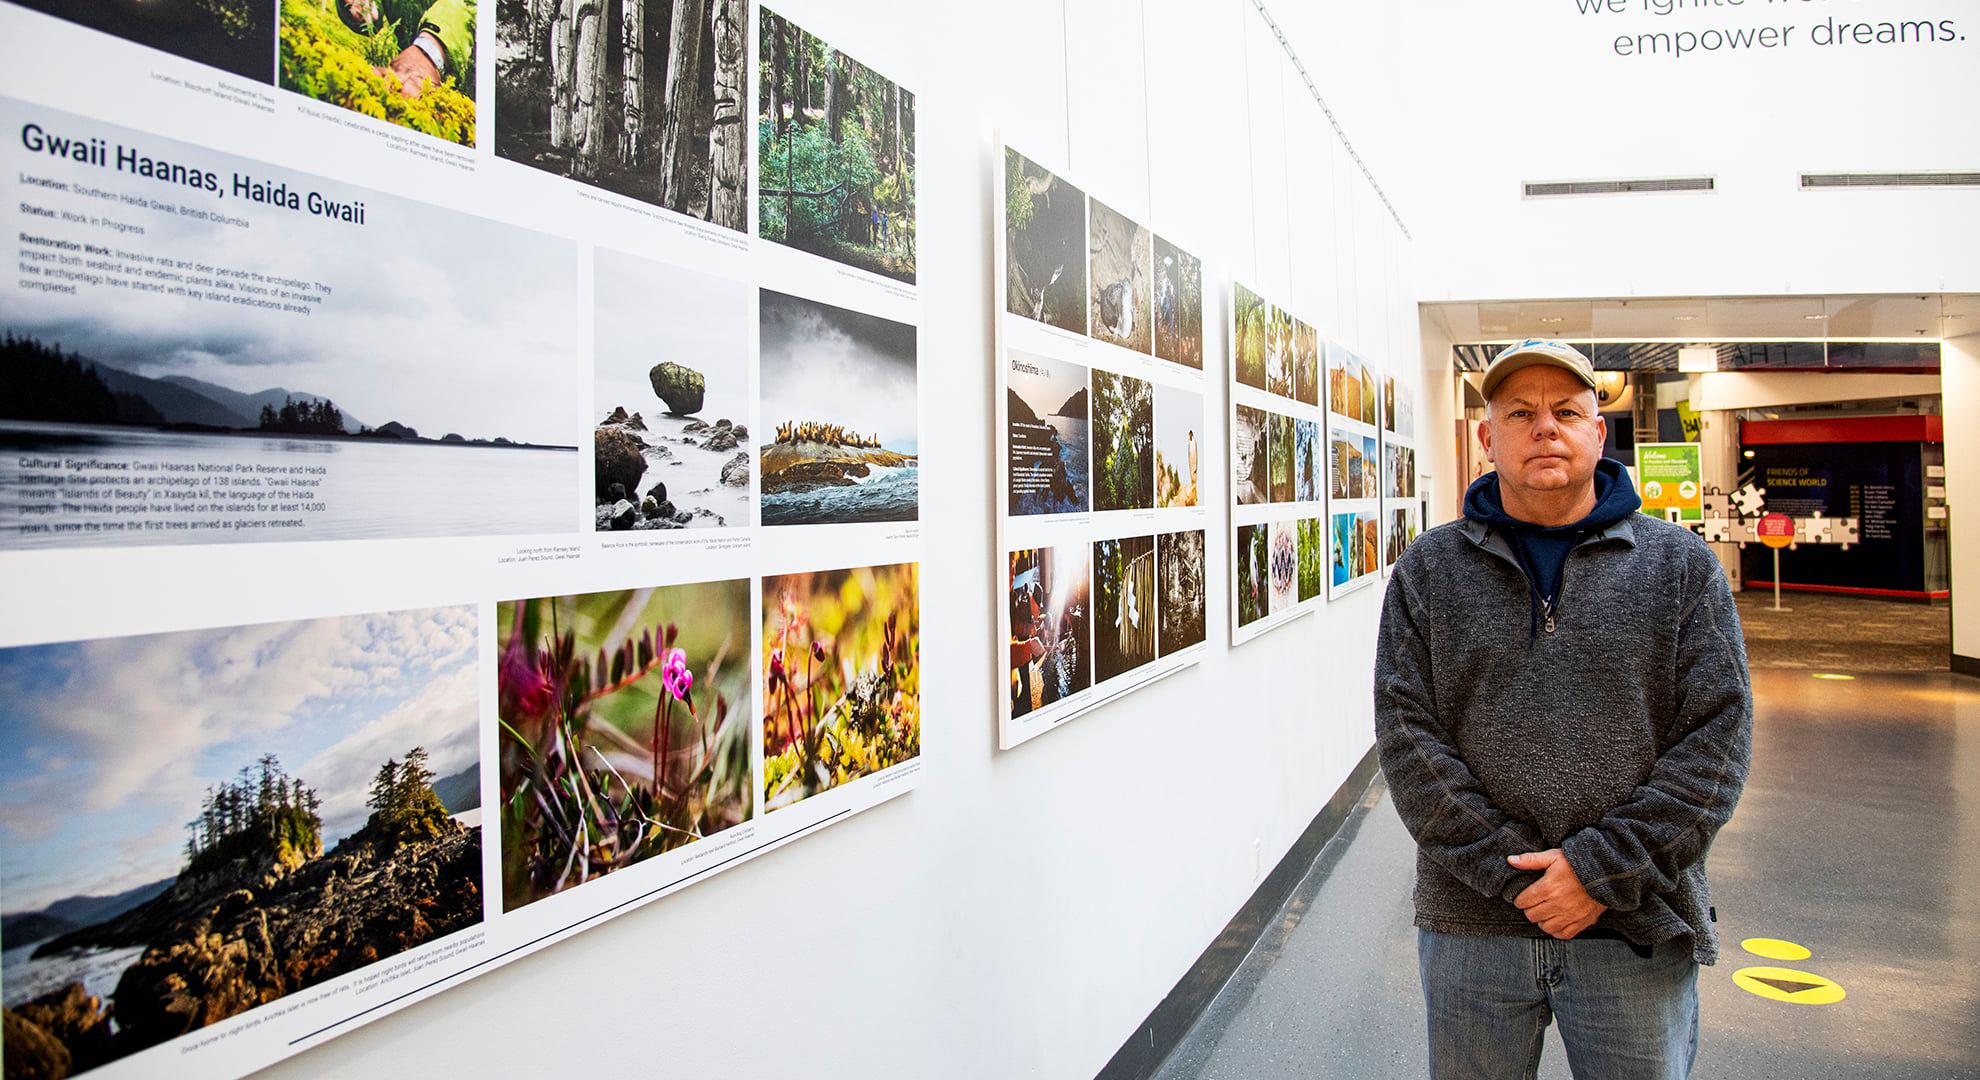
{"x": 1564, "y": 718}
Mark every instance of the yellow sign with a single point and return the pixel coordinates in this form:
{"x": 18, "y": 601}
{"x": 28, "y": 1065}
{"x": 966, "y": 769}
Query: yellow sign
{"x": 1789, "y": 985}
{"x": 1775, "y": 948}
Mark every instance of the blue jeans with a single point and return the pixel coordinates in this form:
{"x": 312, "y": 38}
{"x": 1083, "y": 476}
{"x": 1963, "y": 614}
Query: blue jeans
{"x": 1623, "y": 1016}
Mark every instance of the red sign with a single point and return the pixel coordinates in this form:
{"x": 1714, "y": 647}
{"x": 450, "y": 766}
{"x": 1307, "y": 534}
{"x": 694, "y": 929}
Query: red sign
{"x": 1776, "y": 530}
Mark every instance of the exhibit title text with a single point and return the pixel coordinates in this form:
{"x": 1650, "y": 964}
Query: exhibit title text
{"x": 96, "y": 151}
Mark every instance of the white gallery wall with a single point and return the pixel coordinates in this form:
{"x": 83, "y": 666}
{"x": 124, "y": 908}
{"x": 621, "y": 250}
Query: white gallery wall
{"x": 1495, "y": 95}
{"x": 1022, "y": 911}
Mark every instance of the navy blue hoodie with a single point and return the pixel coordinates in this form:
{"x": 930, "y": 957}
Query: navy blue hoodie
{"x": 1543, "y": 550}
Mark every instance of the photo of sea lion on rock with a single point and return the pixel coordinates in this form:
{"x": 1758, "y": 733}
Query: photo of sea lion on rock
{"x": 671, "y": 449}
{"x": 839, "y": 408}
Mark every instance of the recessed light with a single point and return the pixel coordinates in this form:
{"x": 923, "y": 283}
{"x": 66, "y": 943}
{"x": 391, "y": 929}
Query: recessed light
{"x": 1834, "y": 677}
{"x": 1746, "y": 453}
{"x": 1493, "y": 329}
{"x": 1550, "y": 318}
{"x": 1684, "y": 318}
{"x": 1814, "y": 318}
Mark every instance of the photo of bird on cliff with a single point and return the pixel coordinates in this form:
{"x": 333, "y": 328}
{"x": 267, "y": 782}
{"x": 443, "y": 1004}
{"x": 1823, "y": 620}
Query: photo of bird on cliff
{"x": 203, "y": 822}
{"x": 670, "y": 447}
{"x": 834, "y": 154}
{"x": 1178, "y": 305}
{"x": 841, "y": 677}
{"x": 1046, "y": 436}
{"x": 1123, "y": 606}
{"x": 1044, "y": 245}
{"x": 625, "y": 729}
{"x": 646, "y": 98}
{"x": 1123, "y": 442}
{"x": 1178, "y": 445}
{"x": 1118, "y": 250}
{"x": 839, "y": 408}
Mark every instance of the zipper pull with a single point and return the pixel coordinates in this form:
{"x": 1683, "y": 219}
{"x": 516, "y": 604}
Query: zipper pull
{"x": 1548, "y": 611}
{"x": 1550, "y": 624}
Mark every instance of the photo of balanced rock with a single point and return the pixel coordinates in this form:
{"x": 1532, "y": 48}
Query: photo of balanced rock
{"x": 671, "y": 449}
{"x": 840, "y": 404}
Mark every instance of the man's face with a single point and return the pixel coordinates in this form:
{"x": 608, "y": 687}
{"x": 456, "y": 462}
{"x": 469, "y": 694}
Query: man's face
{"x": 1542, "y": 431}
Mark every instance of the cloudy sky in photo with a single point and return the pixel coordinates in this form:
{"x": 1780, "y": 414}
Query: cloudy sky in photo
{"x": 649, "y": 313}
{"x": 828, "y": 364}
{"x": 113, "y": 742}
{"x": 437, "y": 319}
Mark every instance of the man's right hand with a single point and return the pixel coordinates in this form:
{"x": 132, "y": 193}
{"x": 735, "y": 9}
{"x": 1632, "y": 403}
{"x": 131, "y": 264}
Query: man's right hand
{"x": 413, "y": 70}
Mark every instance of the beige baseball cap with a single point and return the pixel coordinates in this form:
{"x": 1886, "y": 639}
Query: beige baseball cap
{"x": 1534, "y": 351}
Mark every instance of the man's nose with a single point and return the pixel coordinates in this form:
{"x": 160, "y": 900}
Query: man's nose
{"x": 1545, "y": 426}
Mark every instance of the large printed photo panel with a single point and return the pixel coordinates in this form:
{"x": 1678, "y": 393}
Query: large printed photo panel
{"x": 203, "y": 822}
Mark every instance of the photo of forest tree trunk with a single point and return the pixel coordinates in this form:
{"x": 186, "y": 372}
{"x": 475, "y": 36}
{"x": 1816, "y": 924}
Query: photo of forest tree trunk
{"x": 641, "y": 97}
{"x": 835, "y": 154}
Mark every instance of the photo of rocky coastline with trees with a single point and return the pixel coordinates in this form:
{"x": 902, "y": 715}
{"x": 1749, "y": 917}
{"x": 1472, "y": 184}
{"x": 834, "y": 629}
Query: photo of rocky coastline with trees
{"x": 1046, "y": 436}
{"x": 839, "y": 400}
{"x": 239, "y": 834}
{"x": 834, "y": 154}
{"x": 645, "y": 98}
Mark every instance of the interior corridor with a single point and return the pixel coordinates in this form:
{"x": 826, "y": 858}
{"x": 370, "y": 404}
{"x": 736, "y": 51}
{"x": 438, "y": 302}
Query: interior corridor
{"x": 1856, "y": 838}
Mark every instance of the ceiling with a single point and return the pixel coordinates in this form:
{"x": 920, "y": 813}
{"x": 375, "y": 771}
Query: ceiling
{"x": 1707, "y": 320}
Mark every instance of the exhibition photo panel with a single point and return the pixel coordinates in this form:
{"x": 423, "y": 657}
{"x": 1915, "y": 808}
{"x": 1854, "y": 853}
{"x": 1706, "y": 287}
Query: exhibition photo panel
{"x": 1355, "y": 470}
{"x": 1402, "y": 507}
{"x": 1100, "y": 491}
{"x": 204, "y": 822}
{"x": 1276, "y": 493}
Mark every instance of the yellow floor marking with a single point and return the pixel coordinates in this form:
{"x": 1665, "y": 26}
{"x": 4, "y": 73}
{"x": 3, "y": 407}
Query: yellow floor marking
{"x": 1789, "y": 985}
{"x": 1775, "y": 948}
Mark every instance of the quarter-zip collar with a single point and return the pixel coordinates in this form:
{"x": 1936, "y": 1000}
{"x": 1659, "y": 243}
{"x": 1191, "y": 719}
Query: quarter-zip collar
{"x": 1487, "y": 525}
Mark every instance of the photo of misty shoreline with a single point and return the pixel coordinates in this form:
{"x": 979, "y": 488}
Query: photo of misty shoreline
{"x": 839, "y": 405}
{"x": 431, "y": 391}
{"x": 1047, "y": 424}
{"x": 204, "y": 822}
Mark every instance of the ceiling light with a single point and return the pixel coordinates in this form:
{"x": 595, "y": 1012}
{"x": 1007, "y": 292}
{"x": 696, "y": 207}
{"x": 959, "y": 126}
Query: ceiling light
{"x": 1746, "y": 453}
{"x": 1814, "y": 318}
{"x": 1684, "y": 318}
{"x": 1834, "y": 677}
{"x": 1493, "y": 329}
{"x": 1550, "y": 318}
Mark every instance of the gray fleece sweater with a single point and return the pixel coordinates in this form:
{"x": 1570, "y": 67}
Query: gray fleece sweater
{"x": 1621, "y": 735}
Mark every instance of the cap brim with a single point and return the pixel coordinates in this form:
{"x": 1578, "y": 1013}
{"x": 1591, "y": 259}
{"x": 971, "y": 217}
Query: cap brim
{"x": 1520, "y": 362}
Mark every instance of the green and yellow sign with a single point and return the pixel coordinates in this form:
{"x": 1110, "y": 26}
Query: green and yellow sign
{"x": 1670, "y": 476}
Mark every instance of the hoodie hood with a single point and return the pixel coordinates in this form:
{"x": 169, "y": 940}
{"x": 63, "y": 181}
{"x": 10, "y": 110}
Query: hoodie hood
{"x": 1615, "y": 499}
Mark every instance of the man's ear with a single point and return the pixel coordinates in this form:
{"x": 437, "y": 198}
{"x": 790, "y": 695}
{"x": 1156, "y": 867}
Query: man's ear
{"x": 1485, "y": 439}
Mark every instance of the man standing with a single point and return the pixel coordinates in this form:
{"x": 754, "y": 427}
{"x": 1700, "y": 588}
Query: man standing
{"x": 1564, "y": 719}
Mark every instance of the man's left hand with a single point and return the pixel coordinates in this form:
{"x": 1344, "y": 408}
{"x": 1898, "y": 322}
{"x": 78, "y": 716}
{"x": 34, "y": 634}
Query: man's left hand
{"x": 413, "y": 70}
{"x": 1556, "y": 903}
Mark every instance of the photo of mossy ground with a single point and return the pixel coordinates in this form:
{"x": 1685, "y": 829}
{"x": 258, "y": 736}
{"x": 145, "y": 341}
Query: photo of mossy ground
{"x": 1044, "y": 245}
{"x": 1252, "y": 556}
{"x": 1306, "y": 364}
{"x": 237, "y": 36}
{"x": 1280, "y": 432}
{"x": 1250, "y": 319}
{"x": 1312, "y": 558}
{"x": 1123, "y": 426}
{"x": 1279, "y": 353}
{"x": 645, "y": 98}
{"x": 625, "y": 722}
{"x": 842, "y": 677}
{"x": 1118, "y": 248}
{"x": 1284, "y": 565}
{"x": 1250, "y": 456}
{"x": 1178, "y": 305}
{"x": 1123, "y": 606}
{"x": 1180, "y": 573}
{"x": 361, "y": 55}
{"x": 1306, "y": 459}
{"x": 834, "y": 154}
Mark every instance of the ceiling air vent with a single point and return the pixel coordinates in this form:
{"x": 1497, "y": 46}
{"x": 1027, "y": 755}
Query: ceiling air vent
{"x": 1889, "y": 180}
{"x": 1551, "y": 188}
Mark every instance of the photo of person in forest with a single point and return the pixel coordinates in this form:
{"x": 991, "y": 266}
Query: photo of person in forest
{"x": 1178, "y": 305}
{"x": 411, "y": 62}
{"x": 834, "y": 154}
{"x": 645, "y": 98}
{"x": 232, "y": 35}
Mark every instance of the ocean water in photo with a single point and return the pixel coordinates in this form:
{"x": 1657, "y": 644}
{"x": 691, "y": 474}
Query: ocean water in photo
{"x": 693, "y": 475}
{"x": 883, "y": 495}
{"x": 97, "y": 969}
{"x": 369, "y": 489}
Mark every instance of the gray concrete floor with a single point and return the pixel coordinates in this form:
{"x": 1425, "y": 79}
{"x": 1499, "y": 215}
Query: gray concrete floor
{"x": 1858, "y": 837}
